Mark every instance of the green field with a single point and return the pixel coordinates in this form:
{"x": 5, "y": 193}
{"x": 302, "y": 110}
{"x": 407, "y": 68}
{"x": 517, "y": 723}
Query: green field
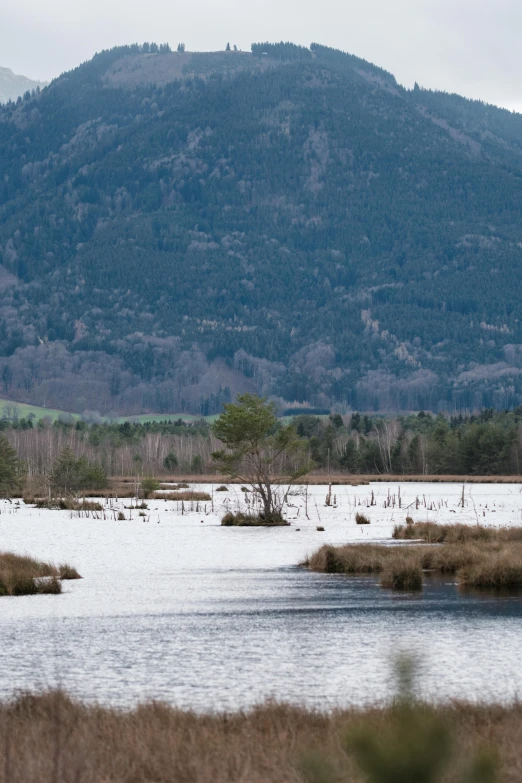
{"x": 10, "y": 408}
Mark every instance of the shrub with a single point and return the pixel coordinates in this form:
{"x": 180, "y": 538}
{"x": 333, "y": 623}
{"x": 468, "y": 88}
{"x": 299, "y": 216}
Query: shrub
{"x": 196, "y": 465}
{"x": 149, "y": 485}
{"x": 72, "y": 475}
{"x": 361, "y": 519}
{"x": 222, "y": 488}
{"x": 171, "y": 461}
{"x": 121, "y": 516}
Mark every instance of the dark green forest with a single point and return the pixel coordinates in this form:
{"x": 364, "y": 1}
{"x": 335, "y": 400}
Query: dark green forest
{"x": 179, "y": 227}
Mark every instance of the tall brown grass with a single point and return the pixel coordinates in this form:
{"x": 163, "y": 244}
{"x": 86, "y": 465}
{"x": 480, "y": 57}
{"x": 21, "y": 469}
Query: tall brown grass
{"x": 251, "y": 520}
{"x": 50, "y": 738}
{"x": 435, "y": 533}
{"x": 66, "y": 504}
{"x": 185, "y": 495}
{"x": 491, "y": 562}
{"x": 22, "y": 575}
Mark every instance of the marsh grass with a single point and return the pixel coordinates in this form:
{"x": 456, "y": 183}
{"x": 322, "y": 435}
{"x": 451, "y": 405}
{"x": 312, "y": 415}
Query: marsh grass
{"x": 68, "y": 504}
{"x": 433, "y": 533}
{"x": 361, "y": 519}
{"x": 252, "y": 520}
{"x": 22, "y": 575}
{"x": 49, "y": 738}
{"x": 481, "y": 558}
{"x": 186, "y": 495}
{"x": 67, "y": 572}
{"x": 402, "y": 573}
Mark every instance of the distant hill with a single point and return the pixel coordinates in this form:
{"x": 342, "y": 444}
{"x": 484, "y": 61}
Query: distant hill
{"x": 13, "y": 86}
{"x": 178, "y": 227}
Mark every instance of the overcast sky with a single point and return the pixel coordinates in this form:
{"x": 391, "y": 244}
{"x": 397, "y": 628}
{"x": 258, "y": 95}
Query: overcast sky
{"x": 467, "y": 46}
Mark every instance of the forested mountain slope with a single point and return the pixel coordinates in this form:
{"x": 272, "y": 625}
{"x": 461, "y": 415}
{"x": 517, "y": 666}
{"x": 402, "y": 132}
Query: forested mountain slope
{"x": 13, "y": 86}
{"x": 177, "y": 227}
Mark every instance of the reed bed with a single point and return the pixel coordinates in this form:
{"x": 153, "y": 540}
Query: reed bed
{"x": 22, "y": 575}
{"x": 252, "y": 520}
{"x": 66, "y": 504}
{"x": 484, "y": 558}
{"x": 186, "y": 496}
{"x": 434, "y": 533}
{"x": 50, "y": 737}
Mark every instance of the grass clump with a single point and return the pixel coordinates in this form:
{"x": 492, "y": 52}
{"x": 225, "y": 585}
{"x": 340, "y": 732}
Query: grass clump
{"x": 222, "y": 488}
{"x": 361, "y": 519}
{"x": 69, "y": 504}
{"x": 402, "y": 573}
{"x": 22, "y": 575}
{"x": 500, "y": 571}
{"x": 484, "y": 564}
{"x": 68, "y": 572}
{"x": 251, "y": 520}
{"x": 187, "y": 495}
{"x": 350, "y": 559}
{"x": 434, "y": 533}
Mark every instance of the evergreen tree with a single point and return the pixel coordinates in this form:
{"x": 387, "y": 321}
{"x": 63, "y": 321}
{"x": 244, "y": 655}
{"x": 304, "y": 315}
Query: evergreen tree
{"x": 12, "y": 471}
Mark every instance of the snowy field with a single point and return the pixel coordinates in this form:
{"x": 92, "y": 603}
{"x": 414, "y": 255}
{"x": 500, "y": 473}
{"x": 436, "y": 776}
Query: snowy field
{"x": 174, "y": 606}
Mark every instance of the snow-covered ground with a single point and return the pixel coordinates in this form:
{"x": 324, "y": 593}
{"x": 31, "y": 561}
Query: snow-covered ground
{"x": 175, "y": 606}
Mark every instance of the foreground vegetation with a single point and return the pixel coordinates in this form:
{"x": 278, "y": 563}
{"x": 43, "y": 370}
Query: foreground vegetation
{"x": 21, "y": 575}
{"x": 478, "y": 557}
{"x": 67, "y": 741}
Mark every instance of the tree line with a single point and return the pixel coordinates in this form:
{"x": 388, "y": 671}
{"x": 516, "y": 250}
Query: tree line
{"x": 87, "y": 455}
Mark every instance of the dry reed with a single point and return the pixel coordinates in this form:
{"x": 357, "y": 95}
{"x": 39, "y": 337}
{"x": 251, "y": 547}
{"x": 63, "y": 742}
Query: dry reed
{"x": 22, "y": 575}
{"x": 435, "y": 533}
{"x": 185, "y": 496}
{"x": 478, "y": 559}
{"x": 49, "y": 738}
{"x": 252, "y": 520}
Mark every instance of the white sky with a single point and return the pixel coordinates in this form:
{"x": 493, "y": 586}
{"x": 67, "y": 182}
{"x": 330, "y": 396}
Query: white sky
{"x": 467, "y": 46}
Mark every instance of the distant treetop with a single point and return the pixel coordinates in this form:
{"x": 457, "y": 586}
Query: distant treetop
{"x": 281, "y": 51}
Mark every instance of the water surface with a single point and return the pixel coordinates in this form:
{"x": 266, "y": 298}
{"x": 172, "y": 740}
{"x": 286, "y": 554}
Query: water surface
{"x": 178, "y": 608}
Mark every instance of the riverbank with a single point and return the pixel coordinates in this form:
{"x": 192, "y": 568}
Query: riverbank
{"x": 69, "y": 741}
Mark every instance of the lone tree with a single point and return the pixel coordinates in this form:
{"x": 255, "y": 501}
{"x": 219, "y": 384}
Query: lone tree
{"x": 261, "y": 452}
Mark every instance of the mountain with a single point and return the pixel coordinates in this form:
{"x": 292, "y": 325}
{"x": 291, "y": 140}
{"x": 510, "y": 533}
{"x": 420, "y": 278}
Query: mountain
{"x": 13, "y": 86}
{"x": 176, "y": 227}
